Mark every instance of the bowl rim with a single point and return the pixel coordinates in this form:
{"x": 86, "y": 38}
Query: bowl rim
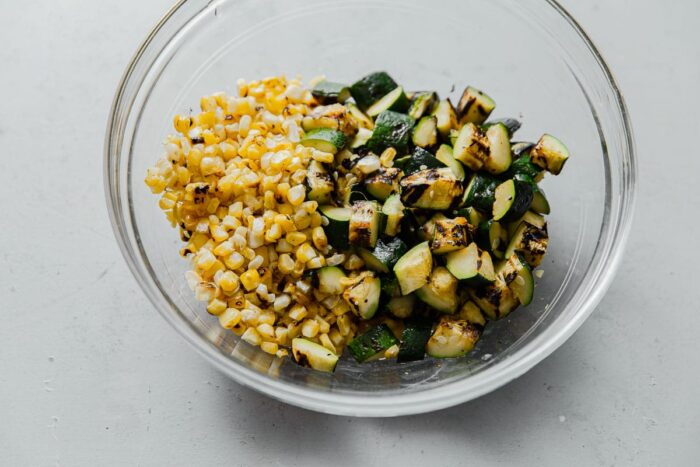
{"x": 446, "y": 395}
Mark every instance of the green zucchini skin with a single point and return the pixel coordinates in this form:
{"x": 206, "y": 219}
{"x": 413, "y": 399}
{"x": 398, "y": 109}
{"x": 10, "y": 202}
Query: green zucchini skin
{"x": 325, "y": 139}
{"x": 371, "y": 88}
{"x": 419, "y": 160}
{"x": 480, "y": 193}
{"x": 522, "y": 166}
{"x": 391, "y": 129}
{"x": 520, "y": 196}
{"x": 384, "y": 255}
{"x": 422, "y": 103}
{"x": 395, "y": 100}
{"x": 511, "y": 124}
{"x": 327, "y": 92}
{"x": 375, "y": 340}
{"x": 415, "y": 336}
{"x": 338, "y": 227}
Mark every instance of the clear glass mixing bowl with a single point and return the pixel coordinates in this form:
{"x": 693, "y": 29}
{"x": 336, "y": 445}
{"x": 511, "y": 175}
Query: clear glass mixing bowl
{"x": 530, "y": 55}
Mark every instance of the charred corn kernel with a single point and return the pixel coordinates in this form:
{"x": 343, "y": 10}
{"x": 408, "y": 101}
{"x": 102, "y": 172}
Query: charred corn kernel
{"x": 235, "y": 260}
{"x": 336, "y": 337}
{"x": 265, "y": 330}
{"x": 281, "y": 335}
{"x": 324, "y": 327}
{"x": 216, "y": 307}
{"x": 230, "y": 318}
{"x": 293, "y": 330}
{"x": 269, "y": 347}
{"x": 218, "y": 233}
{"x": 182, "y": 124}
{"x": 298, "y": 312}
{"x": 285, "y": 263}
{"x": 305, "y": 253}
{"x": 274, "y": 233}
{"x": 309, "y": 328}
{"x": 250, "y": 279}
{"x": 317, "y": 262}
{"x": 318, "y": 236}
{"x": 295, "y": 238}
{"x": 252, "y": 337}
{"x": 229, "y": 281}
{"x": 282, "y": 301}
{"x": 205, "y": 259}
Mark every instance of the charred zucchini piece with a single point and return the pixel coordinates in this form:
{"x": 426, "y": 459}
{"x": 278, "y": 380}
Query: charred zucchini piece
{"x": 500, "y": 156}
{"x": 532, "y": 217}
{"x": 492, "y": 237}
{"x": 361, "y": 119}
{"x": 319, "y": 183}
{"x": 331, "y": 117}
{"x": 419, "y": 160}
{"x": 363, "y": 295}
{"x": 313, "y": 355}
{"x": 393, "y": 213}
{"x": 474, "y": 106}
{"x": 401, "y": 307}
{"x": 446, "y": 117}
{"x": 450, "y": 235}
{"x": 338, "y": 227}
{"x": 529, "y": 241}
{"x": 511, "y": 124}
{"x": 395, "y": 100}
{"x": 372, "y": 342}
{"x": 365, "y": 223}
{"x": 327, "y": 92}
{"x": 427, "y": 230}
{"x": 471, "y": 147}
{"x": 391, "y": 129}
{"x": 425, "y": 134}
{"x": 471, "y": 313}
{"x": 444, "y": 155}
{"x": 325, "y": 139}
{"x": 371, "y": 88}
{"x": 329, "y": 280}
{"x": 518, "y": 275}
{"x": 481, "y": 192}
{"x": 434, "y": 189}
{"x": 415, "y": 336}
{"x": 471, "y": 264}
{"x": 496, "y": 300}
{"x": 550, "y": 154}
{"x": 384, "y": 256}
{"x": 512, "y": 199}
{"x": 540, "y": 204}
{"x": 383, "y": 183}
{"x": 452, "y": 338}
{"x": 413, "y": 269}
{"x": 440, "y": 293}
{"x": 421, "y": 104}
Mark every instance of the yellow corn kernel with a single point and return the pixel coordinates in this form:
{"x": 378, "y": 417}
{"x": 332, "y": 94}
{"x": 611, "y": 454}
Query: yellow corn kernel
{"x": 182, "y": 124}
{"x": 324, "y": 327}
{"x": 343, "y": 323}
{"x": 321, "y": 156}
{"x": 273, "y": 234}
{"x": 318, "y": 236}
{"x": 305, "y": 253}
{"x": 250, "y": 279}
{"x": 205, "y": 259}
{"x": 283, "y": 189}
{"x": 265, "y": 330}
{"x": 281, "y": 335}
{"x": 281, "y": 353}
{"x": 211, "y": 165}
{"x": 229, "y": 281}
{"x": 309, "y": 328}
{"x": 223, "y": 250}
{"x": 218, "y": 233}
{"x": 210, "y": 138}
{"x": 269, "y": 347}
{"x": 235, "y": 260}
{"x": 295, "y": 238}
{"x": 317, "y": 262}
{"x": 216, "y": 307}
{"x": 336, "y": 337}
{"x": 230, "y": 318}
{"x": 298, "y": 312}
{"x": 296, "y": 195}
{"x": 205, "y": 119}
{"x": 327, "y": 343}
{"x": 285, "y": 263}
{"x": 252, "y": 337}
{"x": 391, "y": 352}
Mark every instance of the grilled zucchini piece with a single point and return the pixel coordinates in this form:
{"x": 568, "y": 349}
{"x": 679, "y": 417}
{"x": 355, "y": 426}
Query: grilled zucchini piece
{"x": 471, "y": 264}
{"x": 530, "y": 241}
{"x": 444, "y": 155}
{"x": 372, "y": 342}
{"x": 512, "y": 199}
{"x": 393, "y": 212}
{"x": 471, "y": 313}
{"x": 500, "y": 156}
{"x": 313, "y": 355}
{"x": 450, "y": 235}
{"x": 419, "y": 160}
{"x": 446, "y": 117}
{"x": 338, "y": 226}
{"x": 365, "y": 223}
{"x": 496, "y": 300}
{"x": 421, "y": 104}
{"x": 452, "y": 338}
{"x": 382, "y": 184}
{"x": 550, "y": 154}
{"x": 319, "y": 183}
{"x": 371, "y": 88}
{"x": 384, "y": 256}
{"x": 440, "y": 293}
{"x": 518, "y": 275}
{"x": 425, "y": 134}
{"x": 327, "y": 92}
{"x": 492, "y": 237}
{"x": 471, "y": 147}
{"x": 474, "y": 106}
{"x": 325, "y": 139}
{"x": 391, "y": 129}
{"x": 395, "y": 100}
{"x": 415, "y": 336}
{"x": 401, "y": 307}
{"x": 331, "y": 117}
{"x": 481, "y": 192}
{"x": 413, "y": 269}
{"x": 363, "y": 295}
{"x": 434, "y": 189}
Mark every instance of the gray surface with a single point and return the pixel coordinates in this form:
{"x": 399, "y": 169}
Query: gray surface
{"x": 91, "y": 375}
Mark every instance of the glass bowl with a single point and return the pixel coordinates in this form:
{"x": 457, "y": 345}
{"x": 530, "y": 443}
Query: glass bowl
{"x": 530, "y": 55}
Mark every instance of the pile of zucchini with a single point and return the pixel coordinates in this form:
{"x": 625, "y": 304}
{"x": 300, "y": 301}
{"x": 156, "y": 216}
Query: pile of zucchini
{"x": 449, "y": 234}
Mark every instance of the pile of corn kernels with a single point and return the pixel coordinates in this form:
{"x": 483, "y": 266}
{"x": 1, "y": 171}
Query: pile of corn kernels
{"x": 233, "y": 181}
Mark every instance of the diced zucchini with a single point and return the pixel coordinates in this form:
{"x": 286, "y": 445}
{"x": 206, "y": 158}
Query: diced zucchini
{"x": 532, "y": 217}
{"x": 329, "y": 280}
{"x": 371, "y": 88}
{"x": 360, "y": 140}
{"x": 427, "y": 230}
{"x": 446, "y": 117}
{"x": 500, "y": 157}
{"x": 363, "y": 295}
{"x": 518, "y": 275}
{"x": 410, "y": 231}
{"x": 540, "y": 204}
{"x": 512, "y": 200}
{"x": 474, "y": 106}
{"x": 327, "y": 92}
{"x": 481, "y": 192}
{"x": 521, "y": 148}
{"x": 415, "y": 336}
{"x": 365, "y": 223}
{"x": 523, "y": 166}
{"x": 390, "y": 287}
{"x": 450, "y": 235}
{"x": 452, "y": 338}
{"x": 362, "y": 120}
{"x": 472, "y": 215}
{"x": 440, "y": 293}
{"x": 550, "y": 154}
{"x": 331, "y": 117}
{"x": 444, "y": 155}
{"x": 401, "y": 307}
{"x": 338, "y": 227}
{"x": 496, "y": 300}
{"x": 391, "y": 129}
{"x": 419, "y": 160}
{"x": 393, "y": 212}
{"x": 384, "y": 256}
{"x": 511, "y": 124}
{"x": 383, "y": 183}
{"x": 421, "y": 104}
{"x": 530, "y": 241}
{"x": 471, "y": 264}
{"x": 395, "y": 100}
{"x": 372, "y": 342}
{"x": 413, "y": 269}
{"x": 471, "y": 147}
{"x": 313, "y": 355}
{"x": 325, "y": 139}
{"x": 491, "y": 236}
{"x": 425, "y": 132}
{"x": 319, "y": 182}
{"x": 472, "y": 314}
{"x": 434, "y": 189}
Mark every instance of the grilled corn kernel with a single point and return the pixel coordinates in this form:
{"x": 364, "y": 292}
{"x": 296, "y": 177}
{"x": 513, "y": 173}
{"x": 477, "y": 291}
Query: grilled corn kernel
{"x": 229, "y": 281}
{"x": 250, "y": 279}
{"x": 309, "y": 328}
{"x": 235, "y": 260}
{"x": 295, "y": 238}
{"x": 252, "y": 337}
{"x": 305, "y": 253}
{"x": 298, "y": 312}
{"x": 216, "y": 307}
{"x": 230, "y": 318}
{"x": 269, "y": 347}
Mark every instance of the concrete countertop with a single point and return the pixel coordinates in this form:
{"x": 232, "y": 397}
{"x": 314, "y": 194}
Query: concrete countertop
{"x": 91, "y": 375}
